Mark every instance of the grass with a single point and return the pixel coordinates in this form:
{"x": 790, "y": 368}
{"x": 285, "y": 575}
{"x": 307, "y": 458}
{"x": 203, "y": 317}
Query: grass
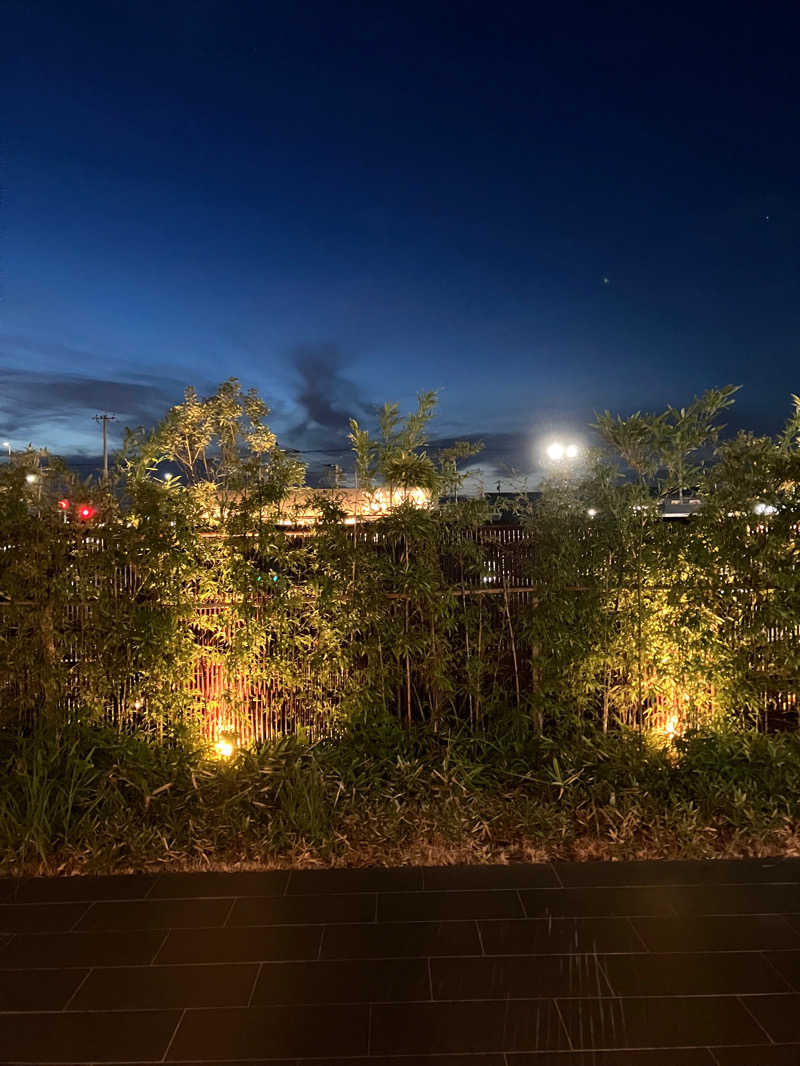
{"x": 86, "y": 798}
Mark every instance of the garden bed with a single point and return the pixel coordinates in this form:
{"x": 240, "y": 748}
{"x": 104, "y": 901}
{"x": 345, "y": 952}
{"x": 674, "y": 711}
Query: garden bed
{"x": 87, "y": 799}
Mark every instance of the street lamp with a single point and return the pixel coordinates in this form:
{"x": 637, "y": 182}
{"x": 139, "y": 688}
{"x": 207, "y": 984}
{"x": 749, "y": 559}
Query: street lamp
{"x": 7, "y": 444}
{"x": 557, "y": 451}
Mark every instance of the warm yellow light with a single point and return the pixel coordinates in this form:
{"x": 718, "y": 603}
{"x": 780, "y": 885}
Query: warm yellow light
{"x": 227, "y": 743}
{"x": 571, "y": 451}
{"x": 555, "y": 451}
{"x": 591, "y": 512}
{"x": 671, "y": 727}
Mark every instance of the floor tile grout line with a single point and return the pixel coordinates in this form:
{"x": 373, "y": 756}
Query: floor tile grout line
{"x": 369, "y": 1029}
{"x": 377, "y": 900}
{"x": 556, "y": 874}
{"x": 151, "y": 889}
{"x": 563, "y": 1024}
{"x": 81, "y": 983}
{"x": 430, "y": 976}
{"x": 741, "y": 1000}
{"x": 74, "y": 927}
{"x": 160, "y": 948}
{"x": 480, "y": 936}
{"x": 714, "y": 1058}
{"x": 638, "y": 935}
{"x": 228, "y": 913}
{"x": 602, "y": 968}
{"x": 256, "y": 979}
{"x": 522, "y": 906}
{"x": 321, "y": 942}
{"x": 174, "y": 1034}
{"x": 765, "y": 956}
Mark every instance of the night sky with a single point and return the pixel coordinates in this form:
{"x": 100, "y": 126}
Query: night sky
{"x": 541, "y": 211}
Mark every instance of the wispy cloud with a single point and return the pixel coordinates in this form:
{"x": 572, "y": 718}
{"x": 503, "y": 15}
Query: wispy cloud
{"x": 44, "y": 407}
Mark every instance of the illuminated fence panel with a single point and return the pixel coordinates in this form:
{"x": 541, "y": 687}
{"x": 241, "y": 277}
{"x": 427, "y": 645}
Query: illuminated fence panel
{"x": 261, "y": 702}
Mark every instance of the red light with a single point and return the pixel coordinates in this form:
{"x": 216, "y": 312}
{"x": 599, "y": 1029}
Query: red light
{"x": 86, "y": 512}
{"x": 63, "y": 505}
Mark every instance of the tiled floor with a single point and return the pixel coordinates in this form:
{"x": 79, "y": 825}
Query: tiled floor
{"x": 625, "y": 964}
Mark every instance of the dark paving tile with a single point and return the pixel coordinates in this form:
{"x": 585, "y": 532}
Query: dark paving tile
{"x": 535, "y": 1025}
{"x": 81, "y": 949}
{"x": 680, "y": 974}
{"x": 658, "y": 1022}
{"x": 779, "y": 1015}
{"x": 8, "y": 888}
{"x": 787, "y": 1055}
{"x": 40, "y": 917}
{"x": 86, "y": 1037}
{"x": 432, "y": 1028}
{"x": 37, "y": 989}
{"x": 788, "y": 963}
{"x": 603, "y": 900}
{"x": 517, "y": 976}
{"x": 351, "y": 981}
{"x": 521, "y": 875}
{"x": 411, "y": 1060}
{"x": 714, "y": 933}
{"x": 218, "y": 884}
{"x": 400, "y": 939}
{"x": 372, "y": 1060}
{"x": 156, "y": 914}
{"x": 304, "y": 910}
{"x": 435, "y": 906}
{"x": 559, "y": 936}
{"x": 368, "y": 879}
{"x": 245, "y": 944}
{"x": 165, "y": 987}
{"x": 687, "y": 872}
{"x": 66, "y": 889}
{"x": 685, "y": 1057}
{"x": 736, "y": 899}
{"x": 272, "y": 1032}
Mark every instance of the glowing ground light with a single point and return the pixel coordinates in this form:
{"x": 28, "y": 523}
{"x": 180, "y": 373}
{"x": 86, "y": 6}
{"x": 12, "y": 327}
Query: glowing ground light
{"x": 227, "y": 743}
{"x": 63, "y": 505}
{"x": 86, "y": 512}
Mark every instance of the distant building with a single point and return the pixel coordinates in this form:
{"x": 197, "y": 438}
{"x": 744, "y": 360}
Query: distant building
{"x": 301, "y": 507}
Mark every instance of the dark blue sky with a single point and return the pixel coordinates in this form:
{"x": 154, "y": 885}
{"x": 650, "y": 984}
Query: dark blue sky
{"x": 540, "y": 211}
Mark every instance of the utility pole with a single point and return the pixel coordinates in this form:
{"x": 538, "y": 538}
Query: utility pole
{"x": 105, "y": 419}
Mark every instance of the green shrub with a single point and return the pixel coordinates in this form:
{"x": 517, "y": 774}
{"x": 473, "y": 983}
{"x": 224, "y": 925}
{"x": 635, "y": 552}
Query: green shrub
{"x": 87, "y": 797}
